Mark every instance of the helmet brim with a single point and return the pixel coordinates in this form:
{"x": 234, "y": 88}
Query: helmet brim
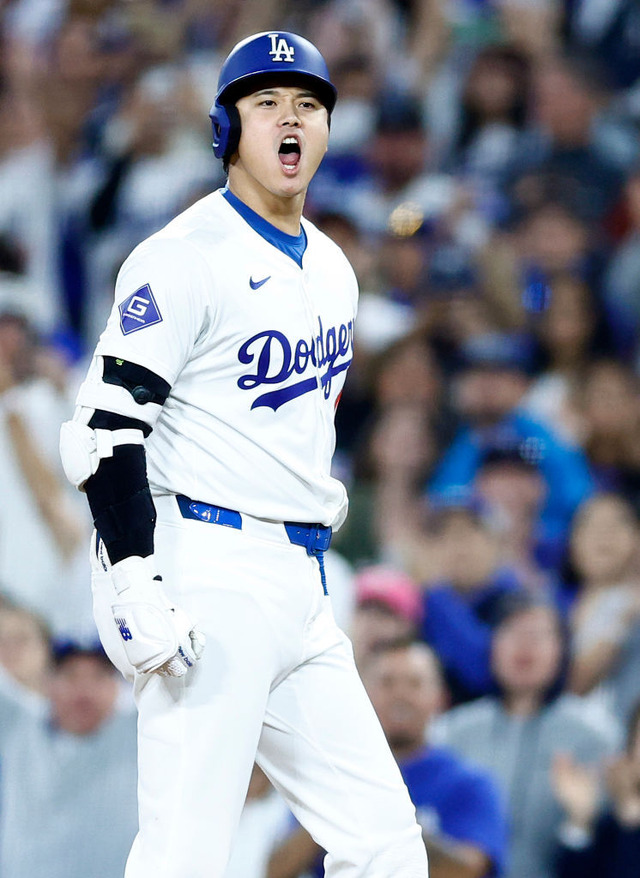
{"x": 246, "y": 85}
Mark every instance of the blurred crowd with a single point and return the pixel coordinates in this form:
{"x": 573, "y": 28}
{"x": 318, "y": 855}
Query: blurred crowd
{"x": 483, "y": 179}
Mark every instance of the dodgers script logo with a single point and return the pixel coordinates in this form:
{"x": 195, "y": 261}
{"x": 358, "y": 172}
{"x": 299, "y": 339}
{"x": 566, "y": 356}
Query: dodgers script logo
{"x": 276, "y": 359}
{"x": 280, "y": 49}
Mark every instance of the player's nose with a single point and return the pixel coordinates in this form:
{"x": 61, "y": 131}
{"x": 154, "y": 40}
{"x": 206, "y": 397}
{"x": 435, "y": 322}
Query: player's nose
{"x": 289, "y": 115}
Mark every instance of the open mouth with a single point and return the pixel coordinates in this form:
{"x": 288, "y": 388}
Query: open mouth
{"x": 289, "y": 153}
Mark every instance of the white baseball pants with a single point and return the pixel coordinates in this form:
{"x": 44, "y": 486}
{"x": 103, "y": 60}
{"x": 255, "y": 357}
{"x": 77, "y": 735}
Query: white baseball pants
{"x": 277, "y": 683}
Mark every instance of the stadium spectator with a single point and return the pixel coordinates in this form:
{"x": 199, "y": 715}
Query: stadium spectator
{"x": 41, "y": 525}
{"x": 570, "y": 333}
{"x": 596, "y": 840}
{"x": 608, "y": 406}
{"x": 391, "y": 464}
{"x": 606, "y": 615}
{"x": 400, "y": 173}
{"x": 394, "y": 435}
{"x": 461, "y": 812}
{"x": 537, "y": 246}
{"x": 566, "y": 155}
{"x": 512, "y": 486}
{"x": 493, "y": 113}
{"x": 154, "y": 167}
{"x": 388, "y": 608}
{"x": 516, "y": 733}
{"x": 68, "y": 792}
{"x": 404, "y": 253}
{"x": 28, "y": 280}
{"x": 463, "y": 604}
{"x": 458, "y": 806}
{"x": 488, "y": 392}
{"x": 459, "y": 305}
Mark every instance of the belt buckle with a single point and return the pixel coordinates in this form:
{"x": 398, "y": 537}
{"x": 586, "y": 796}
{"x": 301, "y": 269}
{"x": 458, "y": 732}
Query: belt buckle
{"x": 318, "y": 539}
{"x": 313, "y": 535}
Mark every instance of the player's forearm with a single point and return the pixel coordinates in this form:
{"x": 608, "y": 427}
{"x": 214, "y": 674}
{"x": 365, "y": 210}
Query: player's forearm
{"x": 121, "y": 504}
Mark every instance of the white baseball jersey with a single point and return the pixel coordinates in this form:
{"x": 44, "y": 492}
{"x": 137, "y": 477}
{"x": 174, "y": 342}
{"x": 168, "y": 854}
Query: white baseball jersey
{"x": 255, "y": 349}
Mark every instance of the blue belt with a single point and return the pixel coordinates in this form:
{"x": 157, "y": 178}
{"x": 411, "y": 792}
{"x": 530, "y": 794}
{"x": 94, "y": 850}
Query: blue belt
{"x": 315, "y": 538}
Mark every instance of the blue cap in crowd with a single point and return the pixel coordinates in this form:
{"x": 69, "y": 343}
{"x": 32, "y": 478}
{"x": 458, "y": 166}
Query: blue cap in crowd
{"x": 498, "y": 350}
{"x": 63, "y": 648}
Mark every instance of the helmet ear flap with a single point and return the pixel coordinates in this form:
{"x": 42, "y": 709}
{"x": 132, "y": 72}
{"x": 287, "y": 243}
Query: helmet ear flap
{"x": 220, "y": 127}
{"x": 225, "y": 127}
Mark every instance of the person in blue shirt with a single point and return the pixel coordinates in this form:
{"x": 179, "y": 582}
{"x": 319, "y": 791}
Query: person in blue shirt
{"x": 463, "y": 605}
{"x": 458, "y": 805}
{"x": 488, "y": 388}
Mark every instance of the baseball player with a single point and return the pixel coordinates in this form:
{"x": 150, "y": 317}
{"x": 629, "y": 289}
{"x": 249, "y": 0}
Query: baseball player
{"x": 203, "y": 437}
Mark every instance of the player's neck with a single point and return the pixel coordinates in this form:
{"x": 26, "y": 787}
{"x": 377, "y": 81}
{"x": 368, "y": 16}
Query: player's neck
{"x": 283, "y": 212}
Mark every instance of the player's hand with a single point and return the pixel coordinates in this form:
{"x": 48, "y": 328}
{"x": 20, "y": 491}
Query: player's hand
{"x": 157, "y": 636}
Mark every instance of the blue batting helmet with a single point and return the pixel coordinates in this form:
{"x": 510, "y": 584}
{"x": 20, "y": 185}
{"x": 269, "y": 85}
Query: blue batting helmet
{"x": 270, "y": 54}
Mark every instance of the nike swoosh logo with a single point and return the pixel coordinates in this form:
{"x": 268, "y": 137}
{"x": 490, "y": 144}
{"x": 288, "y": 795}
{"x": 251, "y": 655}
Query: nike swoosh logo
{"x": 256, "y": 284}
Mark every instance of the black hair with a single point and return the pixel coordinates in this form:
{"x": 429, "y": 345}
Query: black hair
{"x": 403, "y": 644}
{"x": 62, "y": 650}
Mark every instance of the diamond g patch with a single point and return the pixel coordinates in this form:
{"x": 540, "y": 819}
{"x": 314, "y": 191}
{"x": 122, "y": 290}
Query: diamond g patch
{"x": 139, "y": 310}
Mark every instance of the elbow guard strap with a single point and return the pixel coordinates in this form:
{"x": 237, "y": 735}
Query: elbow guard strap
{"x": 82, "y": 448}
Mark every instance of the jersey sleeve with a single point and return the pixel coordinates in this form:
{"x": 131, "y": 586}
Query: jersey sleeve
{"x": 161, "y": 306}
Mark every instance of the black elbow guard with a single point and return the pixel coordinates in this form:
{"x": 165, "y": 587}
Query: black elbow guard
{"x": 121, "y": 504}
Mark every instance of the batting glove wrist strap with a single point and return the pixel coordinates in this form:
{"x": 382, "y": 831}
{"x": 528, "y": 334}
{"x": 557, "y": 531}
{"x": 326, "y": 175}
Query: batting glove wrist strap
{"x": 157, "y": 635}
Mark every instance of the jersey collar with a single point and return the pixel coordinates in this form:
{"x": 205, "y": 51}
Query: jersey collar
{"x": 293, "y": 246}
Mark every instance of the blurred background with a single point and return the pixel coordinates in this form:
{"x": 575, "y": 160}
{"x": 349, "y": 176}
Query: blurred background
{"x": 483, "y": 179}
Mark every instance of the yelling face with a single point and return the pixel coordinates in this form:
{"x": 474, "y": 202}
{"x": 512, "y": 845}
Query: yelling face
{"x": 284, "y": 138}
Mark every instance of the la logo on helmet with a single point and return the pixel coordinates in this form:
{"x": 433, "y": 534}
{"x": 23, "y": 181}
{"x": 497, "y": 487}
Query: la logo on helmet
{"x": 280, "y": 49}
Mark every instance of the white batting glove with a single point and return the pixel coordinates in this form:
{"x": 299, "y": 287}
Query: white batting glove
{"x": 157, "y": 636}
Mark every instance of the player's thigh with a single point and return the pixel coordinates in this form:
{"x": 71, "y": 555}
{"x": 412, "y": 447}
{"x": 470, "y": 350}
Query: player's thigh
{"x": 323, "y": 746}
{"x": 198, "y": 736}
